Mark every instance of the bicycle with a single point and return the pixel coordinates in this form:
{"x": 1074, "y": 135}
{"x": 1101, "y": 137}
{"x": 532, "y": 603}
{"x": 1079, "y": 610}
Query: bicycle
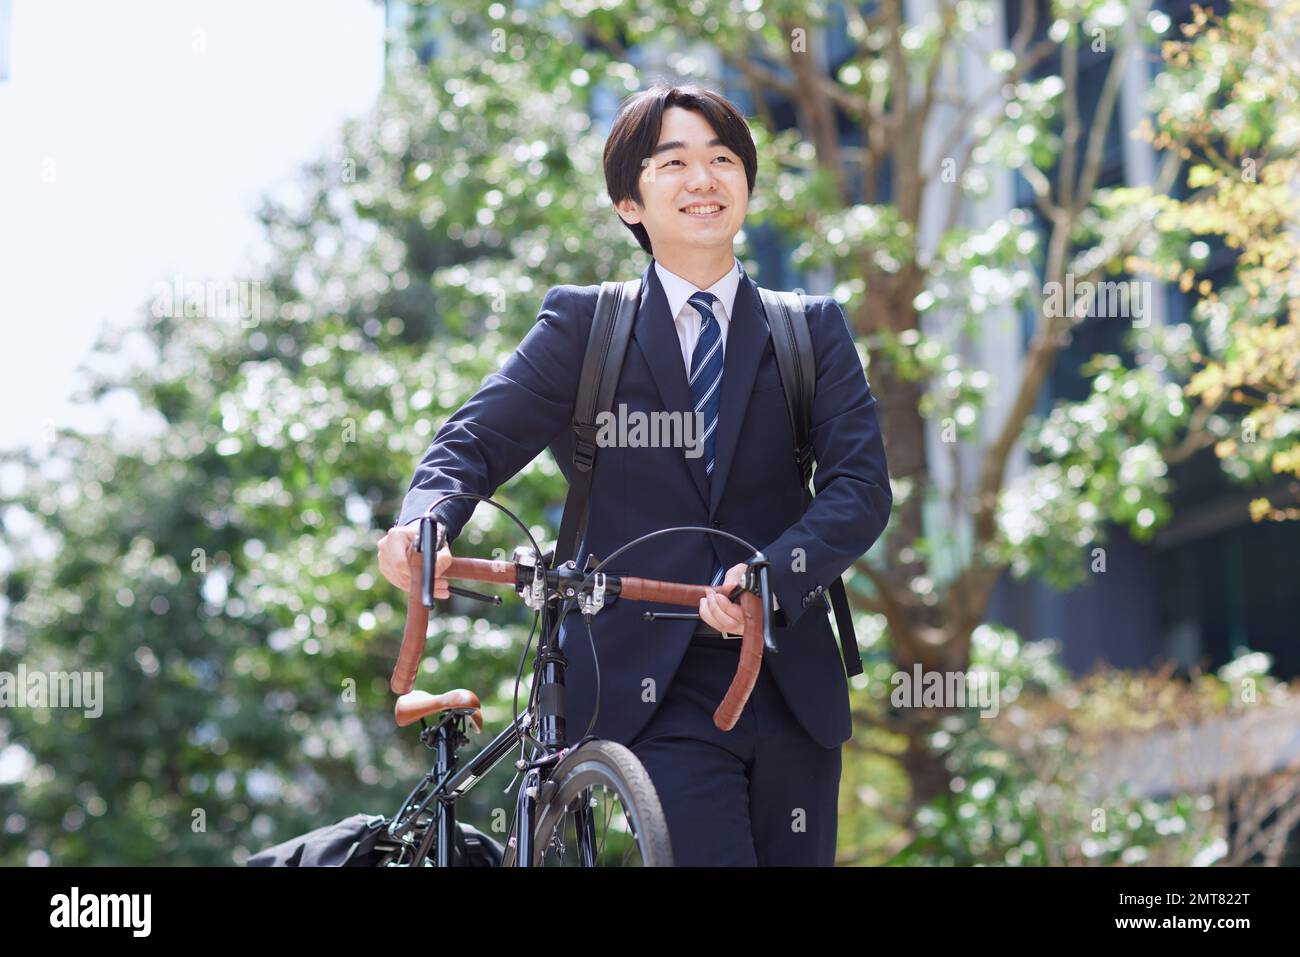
{"x": 557, "y": 807}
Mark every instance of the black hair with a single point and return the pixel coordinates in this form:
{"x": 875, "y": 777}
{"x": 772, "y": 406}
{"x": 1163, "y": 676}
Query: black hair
{"x": 635, "y": 134}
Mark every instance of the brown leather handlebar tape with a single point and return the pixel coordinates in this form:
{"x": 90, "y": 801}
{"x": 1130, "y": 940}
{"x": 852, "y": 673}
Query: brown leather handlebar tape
{"x": 751, "y": 643}
{"x": 481, "y": 570}
{"x": 417, "y": 616}
{"x": 417, "y": 627}
{"x": 634, "y": 589}
{"x": 669, "y": 593}
{"x": 751, "y": 658}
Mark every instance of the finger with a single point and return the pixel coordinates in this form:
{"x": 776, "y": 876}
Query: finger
{"x": 731, "y": 614}
{"x": 723, "y": 589}
{"x": 707, "y": 614}
{"x": 394, "y": 572}
{"x": 727, "y": 613}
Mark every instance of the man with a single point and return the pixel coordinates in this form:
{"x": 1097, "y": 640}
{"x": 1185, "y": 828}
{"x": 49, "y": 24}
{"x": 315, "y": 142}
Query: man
{"x": 680, "y": 164}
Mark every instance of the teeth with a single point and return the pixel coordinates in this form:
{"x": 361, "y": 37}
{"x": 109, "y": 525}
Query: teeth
{"x": 703, "y": 210}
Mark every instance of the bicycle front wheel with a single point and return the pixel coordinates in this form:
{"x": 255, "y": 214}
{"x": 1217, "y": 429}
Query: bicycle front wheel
{"x": 602, "y": 811}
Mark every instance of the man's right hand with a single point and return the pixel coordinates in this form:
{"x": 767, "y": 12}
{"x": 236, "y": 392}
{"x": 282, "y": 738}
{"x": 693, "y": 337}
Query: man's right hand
{"x": 394, "y": 557}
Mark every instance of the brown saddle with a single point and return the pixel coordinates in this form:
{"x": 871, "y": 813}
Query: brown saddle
{"x": 414, "y": 705}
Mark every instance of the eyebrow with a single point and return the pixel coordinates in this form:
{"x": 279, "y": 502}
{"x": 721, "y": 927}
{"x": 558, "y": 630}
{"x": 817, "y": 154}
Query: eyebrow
{"x": 679, "y": 145}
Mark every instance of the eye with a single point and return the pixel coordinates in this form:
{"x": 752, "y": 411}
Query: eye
{"x": 719, "y": 156}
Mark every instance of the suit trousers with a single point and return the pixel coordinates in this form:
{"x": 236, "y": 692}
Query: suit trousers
{"x": 763, "y": 793}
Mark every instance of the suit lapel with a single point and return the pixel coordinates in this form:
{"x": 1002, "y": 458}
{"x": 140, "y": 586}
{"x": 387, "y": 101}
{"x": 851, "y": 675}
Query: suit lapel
{"x": 746, "y": 336}
{"x": 656, "y": 337}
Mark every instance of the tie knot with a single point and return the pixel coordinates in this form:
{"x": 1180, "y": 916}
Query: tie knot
{"x": 705, "y": 299}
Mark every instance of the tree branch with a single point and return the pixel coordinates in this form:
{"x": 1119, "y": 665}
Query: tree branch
{"x": 1100, "y": 123}
{"x": 817, "y": 110}
{"x": 1070, "y": 134}
{"x": 757, "y": 72}
{"x": 949, "y": 15}
{"x": 1024, "y": 63}
{"x": 1195, "y": 439}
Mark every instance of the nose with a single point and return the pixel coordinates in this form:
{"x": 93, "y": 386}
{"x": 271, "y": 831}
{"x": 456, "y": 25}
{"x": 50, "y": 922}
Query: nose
{"x": 701, "y": 177}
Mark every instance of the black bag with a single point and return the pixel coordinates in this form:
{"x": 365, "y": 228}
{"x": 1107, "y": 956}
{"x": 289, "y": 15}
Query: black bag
{"x": 348, "y": 843}
{"x": 361, "y": 841}
{"x": 476, "y": 849}
{"x": 611, "y": 327}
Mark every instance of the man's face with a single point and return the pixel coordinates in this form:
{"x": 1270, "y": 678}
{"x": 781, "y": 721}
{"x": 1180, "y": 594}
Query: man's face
{"x": 690, "y": 168}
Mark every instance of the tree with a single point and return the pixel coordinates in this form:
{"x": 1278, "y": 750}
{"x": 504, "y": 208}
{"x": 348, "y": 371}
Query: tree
{"x": 219, "y": 570}
{"x": 1245, "y": 175}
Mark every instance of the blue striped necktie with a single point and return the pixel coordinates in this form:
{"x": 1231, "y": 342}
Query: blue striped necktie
{"x": 706, "y": 386}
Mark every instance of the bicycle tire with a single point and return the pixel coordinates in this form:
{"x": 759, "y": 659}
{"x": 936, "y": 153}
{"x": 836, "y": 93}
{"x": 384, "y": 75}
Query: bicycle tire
{"x": 611, "y": 764}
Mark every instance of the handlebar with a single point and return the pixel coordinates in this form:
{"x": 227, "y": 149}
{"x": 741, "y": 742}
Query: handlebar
{"x": 538, "y": 585}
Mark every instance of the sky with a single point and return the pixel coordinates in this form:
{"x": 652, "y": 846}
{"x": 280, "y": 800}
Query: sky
{"x": 136, "y": 140}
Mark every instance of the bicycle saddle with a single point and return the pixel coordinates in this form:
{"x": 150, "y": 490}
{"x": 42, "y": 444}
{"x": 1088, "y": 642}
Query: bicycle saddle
{"x": 414, "y": 705}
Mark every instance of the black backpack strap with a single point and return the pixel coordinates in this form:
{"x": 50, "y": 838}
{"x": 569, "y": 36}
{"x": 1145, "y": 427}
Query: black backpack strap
{"x": 602, "y": 363}
{"x": 792, "y": 344}
{"x": 796, "y": 363}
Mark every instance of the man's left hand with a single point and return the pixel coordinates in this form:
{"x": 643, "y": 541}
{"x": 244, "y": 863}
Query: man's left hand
{"x": 721, "y": 612}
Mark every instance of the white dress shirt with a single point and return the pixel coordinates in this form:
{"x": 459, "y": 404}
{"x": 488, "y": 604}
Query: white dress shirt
{"x": 685, "y": 316}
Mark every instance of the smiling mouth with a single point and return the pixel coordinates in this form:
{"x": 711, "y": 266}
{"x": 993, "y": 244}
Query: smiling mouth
{"x": 703, "y": 210}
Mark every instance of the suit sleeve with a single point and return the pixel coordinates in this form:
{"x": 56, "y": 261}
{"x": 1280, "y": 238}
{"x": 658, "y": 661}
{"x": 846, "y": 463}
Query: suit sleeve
{"x": 852, "y": 498}
{"x": 516, "y": 413}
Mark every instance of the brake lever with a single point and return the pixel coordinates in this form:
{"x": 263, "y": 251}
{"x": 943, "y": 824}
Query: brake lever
{"x": 758, "y": 566}
{"x": 429, "y": 550}
{"x": 428, "y": 546}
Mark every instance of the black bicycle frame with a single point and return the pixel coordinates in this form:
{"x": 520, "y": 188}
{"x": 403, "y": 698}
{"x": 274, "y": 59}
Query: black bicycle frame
{"x": 563, "y": 585}
{"x": 453, "y": 782}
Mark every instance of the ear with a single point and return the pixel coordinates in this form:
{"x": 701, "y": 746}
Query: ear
{"x": 629, "y": 210}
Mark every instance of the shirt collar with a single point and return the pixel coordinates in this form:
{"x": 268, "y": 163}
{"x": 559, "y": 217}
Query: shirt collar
{"x": 678, "y": 290}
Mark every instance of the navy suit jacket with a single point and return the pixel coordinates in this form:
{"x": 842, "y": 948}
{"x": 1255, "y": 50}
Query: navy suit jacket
{"x": 528, "y": 405}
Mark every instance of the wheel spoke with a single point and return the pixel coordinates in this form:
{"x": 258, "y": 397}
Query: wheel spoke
{"x": 604, "y": 831}
{"x": 617, "y": 819}
{"x": 601, "y": 810}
